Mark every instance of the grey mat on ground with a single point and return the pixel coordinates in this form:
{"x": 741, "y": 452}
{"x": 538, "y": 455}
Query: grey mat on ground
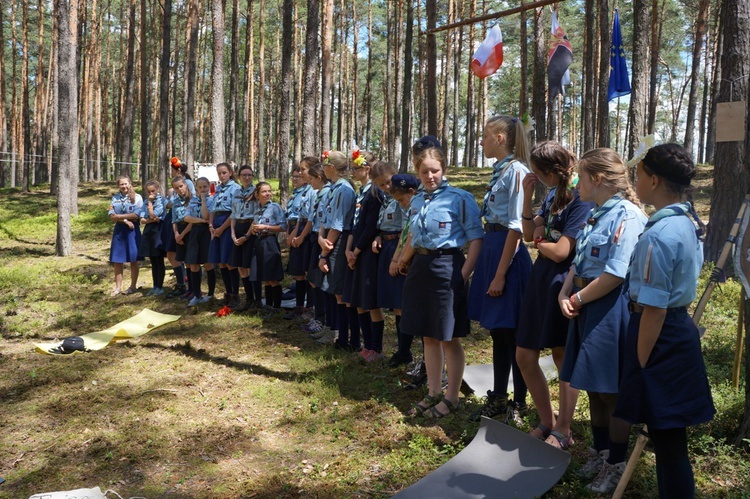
{"x": 500, "y": 462}
{"x": 479, "y": 376}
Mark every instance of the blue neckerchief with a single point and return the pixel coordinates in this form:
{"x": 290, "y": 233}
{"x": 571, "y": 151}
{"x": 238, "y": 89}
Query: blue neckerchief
{"x": 596, "y": 214}
{"x": 427, "y": 198}
{"x": 360, "y": 197}
{"x": 499, "y": 169}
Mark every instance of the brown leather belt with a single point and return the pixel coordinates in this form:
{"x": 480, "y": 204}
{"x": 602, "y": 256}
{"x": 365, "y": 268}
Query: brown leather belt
{"x": 495, "y": 228}
{"x": 389, "y": 237}
{"x": 581, "y": 282}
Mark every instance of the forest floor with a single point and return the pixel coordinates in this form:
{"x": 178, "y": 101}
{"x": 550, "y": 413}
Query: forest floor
{"x": 242, "y": 407}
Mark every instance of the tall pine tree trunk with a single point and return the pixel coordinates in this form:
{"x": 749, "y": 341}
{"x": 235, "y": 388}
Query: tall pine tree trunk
{"x": 286, "y": 101}
{"x": 326, "y": 72}
{"x": 699, "y": 33}
{"x": 311, "y": 64}
{"x": 218, "y": 143}
{"x": 162, "y": 159}
{"x": 191, "y": 70}
{"x": 605, "y": 41}
{"x": 431, "y": 73}
{"x": 638, "y": 94}
{"x": 125, "y": 136}
{"x": 539, "y": 78}
{"x": 408, "y": 62}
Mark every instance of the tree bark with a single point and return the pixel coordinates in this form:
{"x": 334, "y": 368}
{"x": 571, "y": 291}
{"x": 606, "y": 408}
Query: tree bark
{"x": 25, "y": 140}
{"x": 470, "y": 112}
{"x": 657, "y": 15}
{"x": 261, "y": 152}
{"x": 125, "y": 139}
{"x": 700, "y": 32}
{"x": 67, "y": 197}
{"x": 218, "y": 143}
{"x": 539, "y": 79}
{"x": 162, "y": 159}
{"x": 325, "y": 76}
{"x": 640, "y": 72}
{"x": 144, "y": 97}
{"x": 605, "y": 41}
{"x": 234, "y": 77}
{"x": 191, "y": 68}
{"x": 431, "y": 73}
{"x": 285, "y": 98}
{"x": 311, "y": 64}
{"x": 588, "y": 102}
{"x": 408, "y": 62}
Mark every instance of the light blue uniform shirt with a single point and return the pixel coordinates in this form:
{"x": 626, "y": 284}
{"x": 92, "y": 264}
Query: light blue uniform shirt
{"x": 611, "y": 242}
{"x": 270, "y": 214}
{"x": 195, "y": 209}
{"x": 243, "y": 206}
{"x": 307, "y": 209}
{"x": 223, "y": 196}
{"x": 340, "y": 210}
{"x": 179, "y": 208}
{"x": 451, "y": 219}
{"x": 666, "y": 262}
{"x": 160, "y": 207}
{"x": 322, "y": 198}
{"x": 392, "y": 217}
{"x": 191, "y": 188}
{"x": 121, "y": 204}
{"x": 503, "y": 202}
{"x": 296, "y": 204}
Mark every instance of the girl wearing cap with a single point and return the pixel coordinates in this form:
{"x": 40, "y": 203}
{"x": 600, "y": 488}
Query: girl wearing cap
{"x": 435, "y": 290}
{"x": 504, "y": 264}
{"x": 664, "y": 382}
{"x": 124, "y": 212}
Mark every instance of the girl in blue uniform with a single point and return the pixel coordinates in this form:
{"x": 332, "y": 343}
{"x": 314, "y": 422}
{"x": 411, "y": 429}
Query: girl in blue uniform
{"x": 360, "y": 285}
{"x": 592, "y": 298}
{"x": 124, "y": 211}
{"x": 269, "y": 220}
{"x": 151, "y": 245}
{"x": 297, "y": 231}
{"x": 221, "y": 248}
{"x": 664, "y": 382}
{"x": 244, "y": 206}
{"x": 504, "y": 264}
{"x": 391, "y": 221}
{"x": 315, "y": 208}
{"x": 541, "y": 324}
{"x": 178, "y": 169}
{"x": 434, "y": 300}
{"x": 337, "y": 224}
{"x": 180, "y": 227}
{"x": 200, "y": 238}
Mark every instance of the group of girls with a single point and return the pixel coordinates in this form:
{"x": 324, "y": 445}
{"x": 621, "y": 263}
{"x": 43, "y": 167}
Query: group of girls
{"x": 608, "y": 292}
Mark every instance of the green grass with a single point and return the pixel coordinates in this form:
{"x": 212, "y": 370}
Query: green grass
{"x": 238, "y": 406}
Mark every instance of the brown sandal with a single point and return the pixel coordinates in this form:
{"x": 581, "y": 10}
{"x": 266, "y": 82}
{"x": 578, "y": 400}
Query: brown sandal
{"x": 433, "y": 413}
{"x": 425, "y": 405}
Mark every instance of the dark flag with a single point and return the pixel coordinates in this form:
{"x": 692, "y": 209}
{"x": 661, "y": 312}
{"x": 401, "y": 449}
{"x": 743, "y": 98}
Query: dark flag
{"x": 559, "y": 58}
{"x": 619, "y": 84}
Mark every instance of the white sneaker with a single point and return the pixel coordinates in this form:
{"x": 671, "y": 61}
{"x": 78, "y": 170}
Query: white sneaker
{"x": 205, "y": 299}
{"x": 608, "y": 478}
{"x": 194, "y": 301}
{"x": 594, "y": 463}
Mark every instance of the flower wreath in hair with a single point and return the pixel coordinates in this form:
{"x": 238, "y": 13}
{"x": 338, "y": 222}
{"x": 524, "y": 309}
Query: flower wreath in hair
{"x": 358, "y": 159}
{"x": 646, "y": 143}
{"x": 326, "y": 161}
{"x": 528, "y": 122}
{"x": 176, "y": 163}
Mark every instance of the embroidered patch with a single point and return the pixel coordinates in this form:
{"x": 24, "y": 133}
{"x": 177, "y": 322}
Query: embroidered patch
{"x": 442, "y": 225}
{"x": 492, "y": 198}
{"x": 595, "y": 252}
{"x": 618, "y": 233}
{"x": 647, "y": 265}
{"x": 390, "y": 216}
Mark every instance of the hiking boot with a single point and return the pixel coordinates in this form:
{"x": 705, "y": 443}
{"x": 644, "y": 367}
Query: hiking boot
{"x": 608, "y": 478}
{"x": 594, "y": 463}
{"x": 494, "y": 405}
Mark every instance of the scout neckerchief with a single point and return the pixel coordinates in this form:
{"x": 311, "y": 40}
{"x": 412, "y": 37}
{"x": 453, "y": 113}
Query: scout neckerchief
{"x": 551, "y": 216}
{"x": 293, "y": 205}
{"x": 596, "y": 214}
{"x": 498, "y": 171}
{"x": 318, "y": 198}
{"x": 427, "y": 198}
{"x": 360, "y": 197}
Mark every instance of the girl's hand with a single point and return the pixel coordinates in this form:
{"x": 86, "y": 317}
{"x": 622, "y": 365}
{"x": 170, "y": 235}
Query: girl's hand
{"x": 178, "y": 239}
{"x": 377, "y": 243}
{"x": 403, "y": 267}
{"x": 326, "y": 245}
{"x": 129, "y": 224}
{"x": 152, "y": 197}
{"x": 497, "y": 286}
{"x": 566, "y": 307}
{"x": 323, "y": 265}
{"x": 393, "y": 269}
{"x": 529, "y": 181}
{"x": 218, "y": 232}
{"x": 144, "y": 220}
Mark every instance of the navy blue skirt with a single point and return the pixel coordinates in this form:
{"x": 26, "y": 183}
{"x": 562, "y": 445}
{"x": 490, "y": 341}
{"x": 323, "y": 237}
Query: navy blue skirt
{"x": 197, "y": 246}
{"x": 299, "y": 257}
{"x": 268, "y": 258}
{"x": 390, "y": 289}
{"x": 363, "y": 289}
{"x": 314, "y": 274}
{"x": 167, "y": 234}
{"x": 181, "y": 251}
{"x": 221, "y": 248}
{"x": 672, "y": 391}
{"x": 242, "y": 256}
{"x": 541, "y": 323}
{"x": 500, "y": 311}
{"x": 151, "y": 245}
{"x": 333, "y": 281}
{"x": 435, "y": 294}
{"x": 125, "y": 243}
{"x": 594, "y": 347}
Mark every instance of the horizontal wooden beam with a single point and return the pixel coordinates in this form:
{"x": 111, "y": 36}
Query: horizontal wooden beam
{"x": 496, "y": 15}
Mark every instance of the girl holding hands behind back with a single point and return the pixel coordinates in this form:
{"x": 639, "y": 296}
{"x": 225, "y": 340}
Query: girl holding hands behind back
{"x": 124, "y": 211}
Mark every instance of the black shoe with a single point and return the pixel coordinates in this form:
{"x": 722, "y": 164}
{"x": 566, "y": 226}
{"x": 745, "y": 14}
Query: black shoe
{"x": 396, "y": 360}
{"x": 345, "y": 348}
{"x": 495, "y": 405}
{"x": 177, "y": 292}
{"x": 244, "y": 307}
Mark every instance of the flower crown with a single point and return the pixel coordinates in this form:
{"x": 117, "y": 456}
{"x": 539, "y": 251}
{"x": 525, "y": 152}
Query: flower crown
{"x": 176, "y": 163}
{"x": 325, "y": 157}
{"x": 647, "y": 143}
{"x": 358, "y": 159}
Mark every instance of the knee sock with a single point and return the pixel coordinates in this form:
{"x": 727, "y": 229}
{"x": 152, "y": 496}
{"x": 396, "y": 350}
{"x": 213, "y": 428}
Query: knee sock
{"x": 353, "y": 327}
{"x": 310, "y": 295}
{"x": 277, "y": 296}
{"x": 320, "y": 304}
{"x": 365, "y": 325}
{"x": 211, "y": 278}
{"x": 258, "y": 290}
{"x": 248, "y": 289}
{"x": 195, "y": 280}
{"x": 234, "y": 278}
{"x": 377, "y": 334}
{"x": 299, "y": 293}
{"x": 179, "y": 275}
{"x": 269, "y": 295}
{"x": 601, "y": 437}
{"x": 673, "y": 469}
{"x": 342, "y": 316}
{"x": 226, "y": 280}
{"x": 158, "y": 271}
{"x": 404, "y": 341}
{"x": 331, "y": 310}
{"x": 501, "y": 361}
{"x": 617, "y": 452}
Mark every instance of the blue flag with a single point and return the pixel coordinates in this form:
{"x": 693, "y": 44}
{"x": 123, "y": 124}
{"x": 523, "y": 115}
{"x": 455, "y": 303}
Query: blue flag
{"x": 619, "y": 84}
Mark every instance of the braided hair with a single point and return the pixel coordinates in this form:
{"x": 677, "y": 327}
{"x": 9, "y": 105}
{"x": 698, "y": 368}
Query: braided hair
{"x": 550, "y": 158}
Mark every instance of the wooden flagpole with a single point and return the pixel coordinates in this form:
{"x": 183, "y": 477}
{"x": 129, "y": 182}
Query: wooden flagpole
{"x": 713, "y": 281}
{"x": 495, "y": 15}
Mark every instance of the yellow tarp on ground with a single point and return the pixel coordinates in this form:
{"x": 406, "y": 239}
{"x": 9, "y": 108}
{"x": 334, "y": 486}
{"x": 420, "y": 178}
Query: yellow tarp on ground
{"x": 147, "y": 320}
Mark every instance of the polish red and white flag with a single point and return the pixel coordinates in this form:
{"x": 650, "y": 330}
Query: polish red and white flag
{"x": 489, "y": 56}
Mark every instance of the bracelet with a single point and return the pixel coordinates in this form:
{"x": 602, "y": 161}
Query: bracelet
{"x": 578, "y": 299}
{"x": 527, "y": 218}
{"x": 323, "y": 257}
